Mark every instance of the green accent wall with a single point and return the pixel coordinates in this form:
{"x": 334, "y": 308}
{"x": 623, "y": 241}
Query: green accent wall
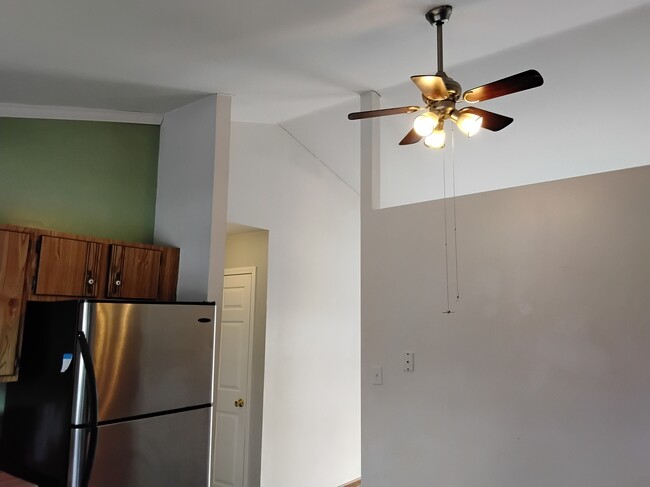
{"x": 89, "y": 178}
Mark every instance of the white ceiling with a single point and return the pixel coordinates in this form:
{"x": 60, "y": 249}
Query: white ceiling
{"x": 279, "y": 59}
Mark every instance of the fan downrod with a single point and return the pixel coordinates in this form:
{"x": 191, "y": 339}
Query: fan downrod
{"x": 439, "y": 15}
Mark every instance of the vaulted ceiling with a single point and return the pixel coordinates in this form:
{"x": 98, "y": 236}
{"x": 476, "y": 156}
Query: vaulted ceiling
{"x": 279, "y": 59}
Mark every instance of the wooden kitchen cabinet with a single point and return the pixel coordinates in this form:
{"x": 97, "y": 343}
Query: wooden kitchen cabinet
{"x": 67, "y": 267}
{"x": 14, "y": 253}
{"x": 46, "y": 265}
{"x": 134, "y": 273}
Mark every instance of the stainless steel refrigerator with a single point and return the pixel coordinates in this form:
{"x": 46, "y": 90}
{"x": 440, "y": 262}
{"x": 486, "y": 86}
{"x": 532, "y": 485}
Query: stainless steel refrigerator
{"x": 112, "y": 394}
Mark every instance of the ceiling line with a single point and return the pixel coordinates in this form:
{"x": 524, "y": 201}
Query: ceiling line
{"x": 12, "y": 110}
{"x": 319, "y": 159}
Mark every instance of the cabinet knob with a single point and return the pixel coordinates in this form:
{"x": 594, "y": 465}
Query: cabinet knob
{"x": 91, "y": 281}
{"x": 239, "y": 403}
{"x": 118, "y": 283}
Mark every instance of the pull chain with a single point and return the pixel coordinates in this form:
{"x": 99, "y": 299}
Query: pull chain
{"x": 453, "y": 179}
{"x": 444, "y": 198}
{"x": 444, "y": 189}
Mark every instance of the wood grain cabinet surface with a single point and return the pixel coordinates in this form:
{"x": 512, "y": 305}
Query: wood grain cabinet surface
{"x": 67, "y": 267}
{"x": 134, "y": 273}
{"x": 14, "y": 252}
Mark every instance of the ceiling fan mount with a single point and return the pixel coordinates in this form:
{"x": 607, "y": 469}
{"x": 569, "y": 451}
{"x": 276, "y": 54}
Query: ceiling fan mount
{"x": 440, "y": 93}
{"x": 439, "y": 14}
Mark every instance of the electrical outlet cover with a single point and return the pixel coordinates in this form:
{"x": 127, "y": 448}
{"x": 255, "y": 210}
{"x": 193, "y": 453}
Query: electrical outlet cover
{"x": 377, "y": 375}
{"x": 408, "y": 361}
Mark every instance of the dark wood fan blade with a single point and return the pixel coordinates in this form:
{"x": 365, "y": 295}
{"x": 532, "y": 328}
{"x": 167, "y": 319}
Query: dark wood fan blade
{"x": 512, "y": 84}
{"x": 491, "y": 121}
{"x": 411, "y": 138}
{"x": 433, "y": 87}
{"x": 382, "y": 112}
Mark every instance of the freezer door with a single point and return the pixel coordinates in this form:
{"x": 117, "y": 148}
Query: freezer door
{"x": 170, "y": 450}
{"x": 148, "y": 357}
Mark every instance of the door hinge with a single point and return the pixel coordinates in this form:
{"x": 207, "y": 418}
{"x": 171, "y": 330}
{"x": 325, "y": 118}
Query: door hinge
{"x": 34, "y": 284}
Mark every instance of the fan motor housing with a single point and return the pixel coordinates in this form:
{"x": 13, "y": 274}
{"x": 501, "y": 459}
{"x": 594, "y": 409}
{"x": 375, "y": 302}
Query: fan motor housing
{"x": 444, "y": 108}
{"x": 453, "y": 87}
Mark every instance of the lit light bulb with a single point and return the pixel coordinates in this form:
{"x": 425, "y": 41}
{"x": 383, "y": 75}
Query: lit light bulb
{"x": 469, "y": 123}
{"x": 436, "y": 140}
{"x": 424, "y": 124}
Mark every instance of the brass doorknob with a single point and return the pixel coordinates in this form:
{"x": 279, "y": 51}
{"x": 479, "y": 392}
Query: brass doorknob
{"x": 239, "y": 403}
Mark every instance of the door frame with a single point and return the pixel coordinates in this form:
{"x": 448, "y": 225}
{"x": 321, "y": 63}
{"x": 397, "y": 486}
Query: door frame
{"x": 234, "y": 271}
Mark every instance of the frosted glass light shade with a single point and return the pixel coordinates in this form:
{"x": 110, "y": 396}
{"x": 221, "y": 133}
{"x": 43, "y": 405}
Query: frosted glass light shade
{"x": 424, "y": 124}
{"x": 469, "y": 123}
{"x": 436, "y": 140}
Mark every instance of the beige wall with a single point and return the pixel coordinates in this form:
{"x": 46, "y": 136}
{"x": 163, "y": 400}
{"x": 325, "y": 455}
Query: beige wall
{"x": 540, "y": 376}
{"x": 251, "y": 250}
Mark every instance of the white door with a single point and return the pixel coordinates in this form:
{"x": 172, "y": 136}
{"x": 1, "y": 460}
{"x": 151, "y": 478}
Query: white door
{"x": 232, "y": 416}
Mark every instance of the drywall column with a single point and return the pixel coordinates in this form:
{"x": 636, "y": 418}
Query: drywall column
{"x": 219, "y": 199}
{"x": 370, "y": 169}
{"x": 369, "y": 183}
{"x": 192, "y": 193}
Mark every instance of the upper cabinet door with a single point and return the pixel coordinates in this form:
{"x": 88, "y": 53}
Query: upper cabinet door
{"x": 67, "y": 267}
{"x": 134, "y": 273}
{"x": 14, "y": 249}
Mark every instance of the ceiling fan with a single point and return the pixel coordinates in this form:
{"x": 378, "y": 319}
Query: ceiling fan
{"x": 440, "y": 94}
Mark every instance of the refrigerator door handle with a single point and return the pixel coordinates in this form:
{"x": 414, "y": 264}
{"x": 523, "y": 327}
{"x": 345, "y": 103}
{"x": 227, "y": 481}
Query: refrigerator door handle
{"x": 91, "y": 386}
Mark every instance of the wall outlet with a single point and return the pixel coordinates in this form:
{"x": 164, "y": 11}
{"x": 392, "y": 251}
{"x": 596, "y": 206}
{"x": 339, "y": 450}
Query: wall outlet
{"x": 408, "y": 361}
{"x": 377, "y": 375}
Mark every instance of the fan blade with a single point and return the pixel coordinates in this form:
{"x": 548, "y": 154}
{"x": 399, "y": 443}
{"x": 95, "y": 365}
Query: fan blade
{"x": 491, "y": 121}
{"x": 512, "y": 84}
{"x": 411, "y": 138}
{"x": 433, "y": 87}
{"x": 382, "y": 113}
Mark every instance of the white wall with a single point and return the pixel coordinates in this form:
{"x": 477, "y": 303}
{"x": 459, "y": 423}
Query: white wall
{"x": 311, "y": 422}
{"x": 540, "y": 376}
{"x": 192, "y": 193}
